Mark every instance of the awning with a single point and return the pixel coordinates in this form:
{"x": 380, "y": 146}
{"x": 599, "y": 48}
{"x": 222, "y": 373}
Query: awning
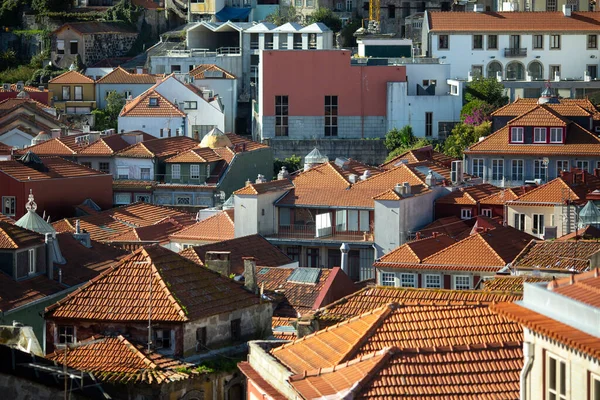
{"x": 233, "y": 14}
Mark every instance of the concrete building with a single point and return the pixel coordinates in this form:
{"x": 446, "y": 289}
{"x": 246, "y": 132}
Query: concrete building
{"x": 73, "y": 93}
{"x": 122, "y": 82}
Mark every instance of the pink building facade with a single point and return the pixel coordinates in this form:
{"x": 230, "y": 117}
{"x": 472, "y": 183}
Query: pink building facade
{"x": 319, "y": 94}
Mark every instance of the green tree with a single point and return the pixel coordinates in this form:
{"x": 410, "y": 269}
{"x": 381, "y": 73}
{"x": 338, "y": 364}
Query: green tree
{"x": 399, "y": 138}
{"x": 108, "y": 118}
{"x": 42, "y": 6}
{"x": 283, "y": 15}
{"x": 327, "y": 17}
{"x": 348, "y": 38}
{"x": 292, "y": 164}
{"x": 488, "y": 90}
{"x": 422, "y": 142}
{"x": 463, "y": 136}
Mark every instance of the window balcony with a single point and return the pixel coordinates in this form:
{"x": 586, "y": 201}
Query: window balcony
{"x": 328, "y": 234}
{"x": 514, "y": 52}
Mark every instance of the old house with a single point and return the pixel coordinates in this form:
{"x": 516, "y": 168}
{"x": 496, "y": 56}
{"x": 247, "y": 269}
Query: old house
{"x": 22, "y": 119}
{"x": 90, "y": 41}
{"x": 128, "y": 84}
{"x": 12, "y": 91}
{"x": 217, "y": 228}
{"x": 156, "y": 284}
{"x": 465, "y": 202}
{"x": 73, "y": 93}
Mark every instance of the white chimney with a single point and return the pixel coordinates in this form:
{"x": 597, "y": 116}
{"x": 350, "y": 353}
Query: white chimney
{"x": 407, "y": 190}
{"x": 566, "y": 10}
{"x": 344, "y": 248}
{"x": 352, "y": 178}
{"x": 430, "y": 179}
{"x": 399, "y": 188}
{"x": 260, "y": 179}
{"x": 366, "y": 175}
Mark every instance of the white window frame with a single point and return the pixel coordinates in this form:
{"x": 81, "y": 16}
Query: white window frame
{"x": 12, "y": 207}
{"x": 59, "y": 334}
{"x": 553, "y": 131}
{"x": 555, "y": 392}
{"x": 466, "y": 213}
{"x": 519, "y": 221}
{"x": 122, "y": 172}
{"x": 540, "y": 170}
{"x": 176, "y": 171}
{"x": 560, "y": 164}
{"x": 120, "y": 198}
{"x": 536, "y": 219}
{"x": 595, "y": 390}
{"x": 31, "y": 256}
{"x": 190, "y": 105}
{"x": 388, "y": 279}
{"x": 405, "y": 282}
{"x": 486, "y": 212}
{"x": 539, "y": 135}
{"x": 462, "y": 285}
{"x": 497, "y": 169}
{"x": 477, "y": 167}
{"x": 60, "y": 46}
{"x": 428, "y": 281}
{"x": 195, "y": 171}
{"x": 517, "y": 134}
{"x": 143, "y": 197}
{"x": 580, "y": 163}
{"x": 78, "y": 93}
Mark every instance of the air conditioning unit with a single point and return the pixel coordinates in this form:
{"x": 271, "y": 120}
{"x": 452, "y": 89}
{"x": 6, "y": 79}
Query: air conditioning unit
{"x": 6, "y": 87}
{"x": 456, "y": 172}
{"x": 20, "y": 86}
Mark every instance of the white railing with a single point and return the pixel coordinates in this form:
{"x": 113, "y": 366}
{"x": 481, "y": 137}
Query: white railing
{"x": 204, "y": 52}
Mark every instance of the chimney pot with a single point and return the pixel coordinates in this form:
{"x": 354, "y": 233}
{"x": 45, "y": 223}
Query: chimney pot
{"x": 434, "y": 234}
{"x": 250, "y": 274}
{"x": 218, "y": 261}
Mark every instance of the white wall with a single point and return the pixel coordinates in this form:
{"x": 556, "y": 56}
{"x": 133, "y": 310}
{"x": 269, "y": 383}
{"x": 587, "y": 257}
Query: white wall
{"x": 246, "y": 215}
{"x": 227, "y": 91}
{"x": 16, "y": 138}
{"x": 150, "y": 125}
{"x": 134, "y": 165}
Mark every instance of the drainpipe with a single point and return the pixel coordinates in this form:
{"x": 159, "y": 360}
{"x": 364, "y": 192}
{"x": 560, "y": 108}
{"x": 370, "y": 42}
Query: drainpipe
{"x": 528, "y": 354}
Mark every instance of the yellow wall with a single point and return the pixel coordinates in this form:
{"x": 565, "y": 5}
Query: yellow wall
{"x": 89, "y": 95}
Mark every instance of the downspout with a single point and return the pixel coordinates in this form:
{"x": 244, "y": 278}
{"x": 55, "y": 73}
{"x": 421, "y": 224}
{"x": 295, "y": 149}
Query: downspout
{"x": 362, "y": 108}
{"x": 528, "y": 354}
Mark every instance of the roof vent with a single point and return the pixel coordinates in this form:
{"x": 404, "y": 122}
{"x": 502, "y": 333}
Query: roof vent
{"x": 342, "y": 162}
{"x": 353, "y": 178}
{"x": 260, "y": 179}
{"x": 399, "y": 188}
{"x": 366, "y": 175}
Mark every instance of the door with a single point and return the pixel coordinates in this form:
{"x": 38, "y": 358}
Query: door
{"x": 515, "y": 42}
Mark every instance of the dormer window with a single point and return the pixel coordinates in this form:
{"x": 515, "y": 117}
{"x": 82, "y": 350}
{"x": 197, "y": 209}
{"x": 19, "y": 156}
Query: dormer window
{"x": 539, "y": 135}
{"x": 556, "y": 135}
{"x": 516, "y": 135}
{"x": 153, "y": 102}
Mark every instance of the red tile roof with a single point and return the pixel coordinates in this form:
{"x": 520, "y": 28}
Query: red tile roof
{"x": 56, "y": 168}
{"x": 557, "y": 256}
{"x": 157, "y": 233}
{"x": 200, "y": 72}
{"x": 71, "y": 78}
{"x": 140, "y": 106}
{"x": 98, "y": 27}
{"x": 60, "y": 146}
{"x": 469, "y": 195}
{"x": 511, "y": 284}
{"x": 182, "y": 291}
{"x": 117, "y": 360}
{"x": 417, "y": 155}
{"x": 120, "y": 76}
{"x": 195, "y": 155}
{"x": 452, "y": 226}
{"x": 587, "y": 233}
{"x": 215, "y": 228}
{"x": 15, "y": 294}
{"x": 11, "y": 103}
{"x": 502, "y": 196}
{"x": 165, "y": 147}
{"x": 584, "y": 288}
{"x": 260, "y": 188}
{"x": 258, "y": 381}
{"x": 13, "y": 237}
{"x": 572, "y": 186}
{"x": 414, "y": 251}
{"x": 105, "y": 146}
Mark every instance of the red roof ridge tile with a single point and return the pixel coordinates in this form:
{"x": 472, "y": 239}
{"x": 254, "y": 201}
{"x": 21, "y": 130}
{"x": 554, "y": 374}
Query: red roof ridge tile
{"x": 570, "y": 280}
{"x": 544, "y": 108}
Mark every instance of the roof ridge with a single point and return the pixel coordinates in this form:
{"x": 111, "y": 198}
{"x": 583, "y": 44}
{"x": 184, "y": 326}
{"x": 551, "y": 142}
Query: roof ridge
{"x": 500, "y": 259}
{"x": 144, "y": 358}
{"x": 338, "y": 173}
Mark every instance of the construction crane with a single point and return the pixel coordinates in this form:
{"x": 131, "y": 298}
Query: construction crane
{"x": 374, "y": 15}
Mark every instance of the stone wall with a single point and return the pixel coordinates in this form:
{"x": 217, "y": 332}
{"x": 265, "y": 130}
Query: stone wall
{"x": 101, "y": 46}
{"x": 19, "y": 388}
{"x": 368, "y": 151}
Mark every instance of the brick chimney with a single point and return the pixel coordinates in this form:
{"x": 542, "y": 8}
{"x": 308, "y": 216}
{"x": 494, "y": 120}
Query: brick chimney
{"x": 218, "y": 261}
{"x": 250, "y": 274}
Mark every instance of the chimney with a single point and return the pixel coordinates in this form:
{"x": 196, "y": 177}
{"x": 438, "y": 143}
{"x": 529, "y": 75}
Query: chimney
{"x": 434, "y": 234}
{"x": 430, "y": 179}
{"x": 248, "y": 182}
{"x": 250, "y": 274}
{"x": 344, "y": 248}
{"x": 366, "y": 175}
{"x": 218, "y": 261}
{"x": 407, "y": 190}
{"x": 306, "y": 325}
{"x": 418, "y": 236}
{"x": 64, "y": 131}
{"x": 129, "y": 99}
{"x": 352, "y": 178}
{"x": 566, "y": 10}
{"x": 50, "y": 255}
{"x": 283, "y": 174}
{"x": 196, "y": 136}
{"x": 261, "y": 179}
{"x": 399, "y": 189}
{"x": 82, "y": 236}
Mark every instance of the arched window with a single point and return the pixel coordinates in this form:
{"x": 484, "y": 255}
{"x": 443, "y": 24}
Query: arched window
{"x": 536, "y": 71}
{"x": 515, "y": 71}
{"x": 493, "y": 68}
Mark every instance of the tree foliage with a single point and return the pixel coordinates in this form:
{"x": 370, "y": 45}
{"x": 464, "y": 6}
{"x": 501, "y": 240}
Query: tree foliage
{"x": 475, "y": 112}
{"x": 292, "y": 164}
{"x": 399, "y": 138}
{"x": 463, "y": 136}
{"x": 327, "y": 17}
{"x": 488, "y": 90}
{"x": 43, "y": 6}
{"x": 124, "y": 10}
{"x": 108, "y": 118}
{"x": 283, "y": 15}
{"x": 348, "y": 38}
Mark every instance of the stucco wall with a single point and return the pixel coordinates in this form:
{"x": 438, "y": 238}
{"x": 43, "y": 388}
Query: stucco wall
{"x": 135, "y": 165}
{"x": 246, "y": 215}
{"x": 102, "y": 90}
{"x": 150, "y": 125}
{"x": 227, "y": 91}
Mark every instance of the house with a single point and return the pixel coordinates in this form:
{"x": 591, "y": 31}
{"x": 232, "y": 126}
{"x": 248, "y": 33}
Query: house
{"x": 552, "y": 210}
{"x": 557, "y": 258}
{"x": 520, "y": 49}
{"x": 73, "y": 93}
{"x": 404, "y": 348}
{"x": 559, "y": 5}
{"x": 218, "y": 228}
{"x": 100, "y": 154}
{"x": 58, "y": 184}
{"x": 12, "y": 91}
{"x": 561, "y": 337}
{"x": 122, "y": 82}
{"x": 537, "y": 144}
{"x": 465, "y": 202}
{"x": 90, "y": 41}
{"x": 226, "y": 313}
{"x": 452, "y": 226}
{"x": 157, "y": 234}
{"x": 494, "y": 205}
{"x": 440, "y": 262}
{"x": 414, "y": 156}
{"x": 22, "y": 119}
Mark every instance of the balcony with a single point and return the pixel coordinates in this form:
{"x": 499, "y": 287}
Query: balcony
{"x": 204, "y": 52}
{"x": 514, "y": 52}
{"x": 305, "y": 232}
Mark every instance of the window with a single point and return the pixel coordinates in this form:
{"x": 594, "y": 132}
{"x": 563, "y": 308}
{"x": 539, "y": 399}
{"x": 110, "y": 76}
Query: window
{"x": 516, "y": 135}
{"x": 462, "y": 282}
{"x": 128, "y": 94}
{"x": 162, "y": 338}
{"x": 236, "y": 329}
{"x": 478, "y": 42}
{"x": 408, "y": 280}
{"x": 428, "y": 124}
{"x": 487, "y": 212}
{"x": 123, "y": 172}
{"x": 492, "y": 42}
{"x": 519, "y": 222}
{"x": 31, "y": 256}
{"x": 66, "y": 93}
{"x": 538, "y": 42}
{"x": 190, "y": 105}
{"x": 562, "y": 165}
{"x": 73, "y": 46}
{"x": 79, "y": 93}
{"x": 391, "y": 11}
{"x": 582, "y": 165}
{"x": 517, "y": 170}
{"x": 433, "y": 281}
{"x": 60, "y": 46}
{"x": 183, "y": 200}
{"x": 538, "y": 224}
{"x": 298, "y": 3}
{"x": 388, "y": 279}
{"x": 331, "y": 113}
{"x": 144, "y": 198}
{"x": 281, "y": 116}
{"x": 443, "y": 42}
{"x": 554, "y": 42}
{"x": 539, "y": 170}
{"x": 551, "y": 5}
{"x": 592, "y": 41}
{"x": 9, "y": 205}
{"x": 145, "y": 174}
{"x": 556, "y": 135}
{"x": 153, "y": 102}
{"x": 556, "y": 378}
{"x": 497, "y": 169}
{"x": 539, "y": 135}
{"x": 592, "y": 71}
{"x": 175, "y": 68}
{"x": 465, "y": 213}
{"x": 66, "y": 334}
{"x": 595, "y": 386}
{"x": 350, "y": 6}
{"x": 478, "y": 167}
{"x": 293, "y": 252}
{"x": 312, "y": 257}
{"x": 194, "y": 171}
{"x": 86, "y": 164}
{"x": 104, "y": 167}
{"x": 554, "y": 71}
{"x": 122, "y": 198}
{"x": 201, "y": 337}
{"x": 176, "y": 171}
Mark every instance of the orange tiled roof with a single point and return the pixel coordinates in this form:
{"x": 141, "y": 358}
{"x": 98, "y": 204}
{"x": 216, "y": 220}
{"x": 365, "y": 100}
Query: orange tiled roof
{"x": 550, "y": 328}
{"x": 562, "y": 189}
{"x": 5, "y": 218}
{"x": 59, "y": 146}
{"x": 452, "y": 226}
{"x": 566, "y": 108}
{"x": 71, "y": 77}
{"x": 588, "y": 232}
{"x": 117, "y": 360}
{"x": 158, "y": 233}
{"x": 469, "y": 195}
{"x": 200, "y": 70}
{"x": 259, "y": 381}
{"x": 215, "y": 228}
{"x": 415, "y": 251}
{"x": 195, "y": 155}
{"x": 583, "y": 288}
{"x": 417, "y": 155}
{"x": 183, "y": 292}
{"x": 105, "y": 146}
{"x": 505, "y": 195}
{"x": 565, "y": 256}
{"x": 544, "y": 21}
{"x": 15, "y": 102}
{"x": 579, "y": 142}
{"x": 241, "y": 144}
{"x": 56, "y": 168}
{"x": 26, "y": 88}
{"x": 512, "y": 284}
{"x": 140, "y": 106}
{"x": 537, "y": 116}
{"x": 15, "y": 294}
{"x": 119, "y": 76}
{"x": 13, "y": 237}
{"x": 260, "y": 188}
{"x": 164, "y": 147}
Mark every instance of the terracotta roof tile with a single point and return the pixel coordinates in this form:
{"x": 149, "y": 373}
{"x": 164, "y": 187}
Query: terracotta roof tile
{"x": 588, "y": 232}
{"x": 183, "y": 292}
{"x": 11, "y": 103}
{"x": 561, "y": 189}
{"x": 241, "y": 144}
{"x": 214, "y": 70}
{"x": 13, "y": 237}
{"x": 551, "y": 328}
{"x": 452, "y": 226}
{"x": 5, "y": 218}
{"x": 565, "y": 256}
{"x": 584, "y": 288}
{"x": 117, "y": 360}
{"x": 158, "y": 233}
{"x": 215, "y": 228}
{"x": 538, "y": 116}
{"x": 195, "y": 155}
{"x": 417, "y": 155}
{"x": 512, "y": 284}
{"x": 71, "y": 77}
{"x": 120, "y": 76}
{"x": 26, "y": 88}
{"x": 140, "y": 106}
{"x": 15, "y": 294}
{"x": 299, "y": 295}
{"x": 59, "y": 146}
{"x": 56, "y": 168}
{"x": 513, "y": 22}
{"x": 165, "y": 147}
{"x": 414, "y": 251}
{"x": 259, "y": 381}
{"x": 98, "y": 27}
{"x": 105, "y": 146}
{"x": 502, "y": 196}
{"x": 260, "y": 188}
{"x": 566, "y": 108}
{"x": 468, "y": 195}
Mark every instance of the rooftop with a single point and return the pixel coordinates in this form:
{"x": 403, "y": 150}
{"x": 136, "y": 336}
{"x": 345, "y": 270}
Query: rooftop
{"x": 13, "y": 237}
{"x": 582, "y": 288}
{"x": 54, "y": 167}
{"x": 151, "y": 104}
{"x": 417, "y": 155}
{"x": 469, "y": 195}
{"x": 93, "y": 27}
{"x": 511, "y": 284}
{"x": 164, "y": 147}
{"x": 557, "y": 256}
{"x": 120, "y": 76}
{"x": 415, "y": 251}
{"x": 452, "y": 226}
{"x": 215, "y": 228}
{"x": 210, "y": 71}
{"x": 572, "y": 186}
{"x": 105, "y": 146}
{"x": 71, "y": 78}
